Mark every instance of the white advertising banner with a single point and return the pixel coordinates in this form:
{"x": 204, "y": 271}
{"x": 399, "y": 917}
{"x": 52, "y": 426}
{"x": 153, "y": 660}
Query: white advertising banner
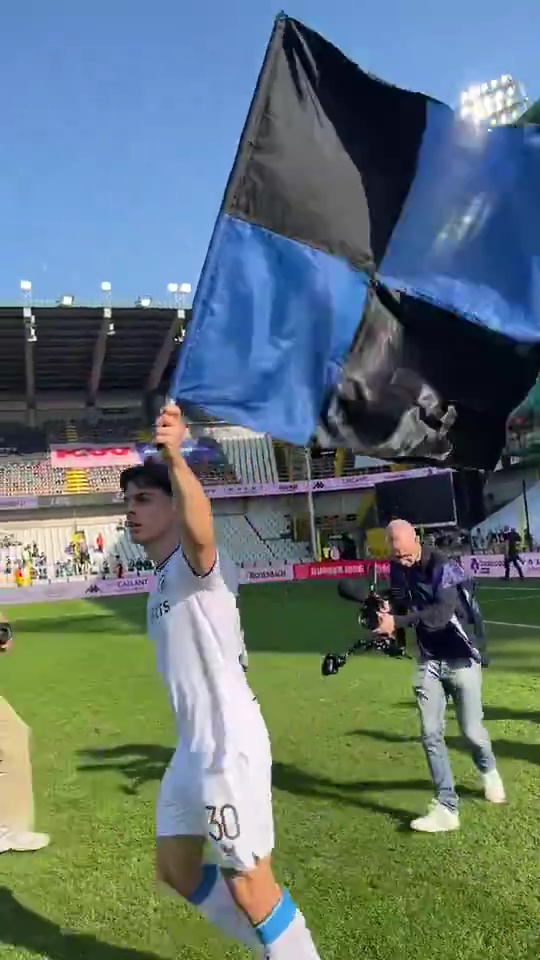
{"x": 492, "y": 565}
{"x": 96, "y": 588}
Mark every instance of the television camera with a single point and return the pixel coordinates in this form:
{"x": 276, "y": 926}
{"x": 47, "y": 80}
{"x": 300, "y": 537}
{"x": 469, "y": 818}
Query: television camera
{"x": 368, "y": 617}
{"x": 5, "y": 634}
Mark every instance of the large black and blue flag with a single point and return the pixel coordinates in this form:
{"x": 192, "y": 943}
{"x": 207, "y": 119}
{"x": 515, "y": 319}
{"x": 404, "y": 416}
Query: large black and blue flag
{"x": 374, "y": 273}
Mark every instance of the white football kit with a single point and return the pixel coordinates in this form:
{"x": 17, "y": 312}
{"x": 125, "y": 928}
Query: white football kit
{"x": 230, "y": 574}
{"x": 218, "y": 783}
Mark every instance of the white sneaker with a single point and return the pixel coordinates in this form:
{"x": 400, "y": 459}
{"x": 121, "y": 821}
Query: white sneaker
{"x": 439, "y": 819}
{"x": 22, "y": 841}
{"x": 493, "y": 787}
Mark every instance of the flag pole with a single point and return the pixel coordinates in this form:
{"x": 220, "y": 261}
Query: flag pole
{"x": 528, "y": 537}
{"x": 311, "y": 509}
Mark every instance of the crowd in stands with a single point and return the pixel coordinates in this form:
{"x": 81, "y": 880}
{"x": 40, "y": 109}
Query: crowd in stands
{"x": 463, "y": 541}
{"x": 494, "y": 541}
{"x": 25, "y": 467}
{"x": 30, "y": 561}
{"x": 81, "y": 558}
{"x": 26, "y": 470}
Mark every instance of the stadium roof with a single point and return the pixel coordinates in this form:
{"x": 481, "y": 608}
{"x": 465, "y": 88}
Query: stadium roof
{"x": 74, "y": 352}
{"x": 532, "y": 115}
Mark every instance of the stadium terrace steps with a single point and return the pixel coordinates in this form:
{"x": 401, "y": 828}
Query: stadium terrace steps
{"x": 72, "y": 434}
{"x": 250, "y": 455}
{"x": 76, "y": 482}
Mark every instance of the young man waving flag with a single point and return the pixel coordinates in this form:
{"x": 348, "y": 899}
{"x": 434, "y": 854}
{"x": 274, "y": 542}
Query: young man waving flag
{"x": 218, "y": 785}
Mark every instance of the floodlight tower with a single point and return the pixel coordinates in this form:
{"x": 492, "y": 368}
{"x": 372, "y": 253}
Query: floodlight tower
{"x": 106, "y": 289}
{"x": 495, "y": 104}
{"x": 181, "y": 292}
{"x": 28, "y": 316}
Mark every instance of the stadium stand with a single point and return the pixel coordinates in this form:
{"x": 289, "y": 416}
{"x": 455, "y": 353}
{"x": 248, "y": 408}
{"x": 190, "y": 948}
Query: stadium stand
{"x": 97, "y": 375}
{"x": 104, "y": 430}
{"x": 250, "y": 455}
{"x": 247, "y": 458}
{"x": 30, "y": 476}
{"x": 261, "y": 538}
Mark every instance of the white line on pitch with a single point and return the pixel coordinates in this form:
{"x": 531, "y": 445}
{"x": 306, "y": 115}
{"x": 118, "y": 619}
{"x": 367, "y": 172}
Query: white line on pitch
{"x": 515, "y": 586}
{"x": 523, "y": 596}
{"x": 504, "y": 623}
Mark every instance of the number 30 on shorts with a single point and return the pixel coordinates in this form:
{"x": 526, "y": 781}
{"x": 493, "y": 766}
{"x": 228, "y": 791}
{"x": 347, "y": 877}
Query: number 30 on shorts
{"x": 224, "y": 823}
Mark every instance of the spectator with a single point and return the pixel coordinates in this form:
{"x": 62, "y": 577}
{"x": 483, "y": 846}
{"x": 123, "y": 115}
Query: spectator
{"x": 16, "y": 797}
{"x": 99, "y": 543}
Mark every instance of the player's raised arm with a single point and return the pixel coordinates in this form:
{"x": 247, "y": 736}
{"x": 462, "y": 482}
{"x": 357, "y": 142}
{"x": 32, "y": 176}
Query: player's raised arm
{"x": 194, "y": 511}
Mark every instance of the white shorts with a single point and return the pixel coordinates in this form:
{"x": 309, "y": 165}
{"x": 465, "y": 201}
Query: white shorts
{"x": 232, "y": 808}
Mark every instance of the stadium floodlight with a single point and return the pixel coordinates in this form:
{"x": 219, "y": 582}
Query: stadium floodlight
{"x": 111, "y": 330}
{"x": 505, "y": 102}
{"x": 66, "y": 301}
{"x": 106, "y": 286}
{"x": 185, "y": 288}
{"x": 26, "y": 286}
{"x": 143, "y": 302}
{"x": 172, "y": 287}
{"x": 30, "y": 325}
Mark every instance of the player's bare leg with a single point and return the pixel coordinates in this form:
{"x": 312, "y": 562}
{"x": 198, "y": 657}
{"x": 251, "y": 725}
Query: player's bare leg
{"x": 280, "y": 926}
{"x": 247, "y": 906}
{"x": 180, "y": 865}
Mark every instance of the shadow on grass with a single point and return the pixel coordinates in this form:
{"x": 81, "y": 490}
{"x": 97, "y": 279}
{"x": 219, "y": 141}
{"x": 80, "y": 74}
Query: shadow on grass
{"x": 139, "y": 763}
{"x": 510, "y": 749}
{"x": 142, "y": 763}
{"x": 493, "y": 713}
{"x": 291, "y": 779}
{"x": 277, "y": 618}
{"x": 25, "y": 930}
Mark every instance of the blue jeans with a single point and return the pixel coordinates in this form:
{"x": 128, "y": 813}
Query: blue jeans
{"x": 462, "y": 680}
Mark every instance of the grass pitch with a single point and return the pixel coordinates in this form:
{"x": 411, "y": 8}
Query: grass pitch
{"x": 349, "y": 775}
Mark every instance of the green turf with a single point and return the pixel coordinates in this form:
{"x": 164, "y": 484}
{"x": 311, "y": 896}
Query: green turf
{"x": 349, "y": 774}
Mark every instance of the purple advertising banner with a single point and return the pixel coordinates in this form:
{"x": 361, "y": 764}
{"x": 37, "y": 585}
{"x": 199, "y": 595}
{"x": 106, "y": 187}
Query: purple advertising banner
{"x": 18, "y": 503}
{"x": 322, "y": 485}
{"x": 492, "y": 565}
{"x": 222, "y": 491}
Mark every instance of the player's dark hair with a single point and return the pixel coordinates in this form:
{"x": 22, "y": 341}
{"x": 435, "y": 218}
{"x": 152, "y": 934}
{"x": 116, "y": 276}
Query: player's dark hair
{"x": 150, "y": 475}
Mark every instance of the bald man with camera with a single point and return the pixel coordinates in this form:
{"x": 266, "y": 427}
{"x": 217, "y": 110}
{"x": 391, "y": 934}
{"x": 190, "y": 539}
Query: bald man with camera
{"x": 16, "y": 794}
{"x": 450, "y": 636}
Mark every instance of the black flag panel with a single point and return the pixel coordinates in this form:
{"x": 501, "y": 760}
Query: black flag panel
{"x": 374, "y": 270}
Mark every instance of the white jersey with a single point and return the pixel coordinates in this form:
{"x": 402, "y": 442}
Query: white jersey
{"x": 229, "y": 571}
{"x": 195, "y": 625}
{"x": 231, "y": 576}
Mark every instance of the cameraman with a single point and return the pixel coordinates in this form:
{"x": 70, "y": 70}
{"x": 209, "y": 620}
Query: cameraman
{"x": 16, "y": 796}
{"x": 449, "y": 633}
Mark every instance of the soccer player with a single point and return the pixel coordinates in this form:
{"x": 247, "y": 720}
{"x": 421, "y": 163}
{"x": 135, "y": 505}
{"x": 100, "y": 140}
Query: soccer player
{"x": 511, "y": 554}
{"x": 217, "y": 787}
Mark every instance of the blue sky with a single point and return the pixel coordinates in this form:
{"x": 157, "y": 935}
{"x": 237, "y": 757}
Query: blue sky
{"x": 120, "y": 118}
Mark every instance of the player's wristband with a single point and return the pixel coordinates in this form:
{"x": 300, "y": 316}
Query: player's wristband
{"x": 6, "y": 634}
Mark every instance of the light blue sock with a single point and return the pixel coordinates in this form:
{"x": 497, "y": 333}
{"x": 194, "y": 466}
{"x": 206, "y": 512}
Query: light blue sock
{"x": 284, "y": 933}
{"x": 213, "y": 899}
